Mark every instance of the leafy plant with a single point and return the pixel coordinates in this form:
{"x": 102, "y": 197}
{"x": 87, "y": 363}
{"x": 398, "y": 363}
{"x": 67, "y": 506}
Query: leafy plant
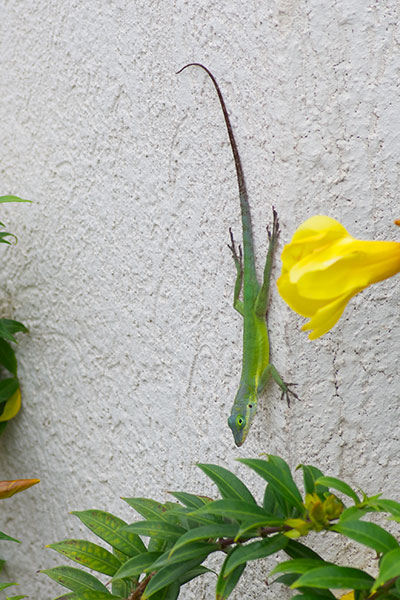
{"x": 183, "y": 534}
{"x": 8, "y": 489}
{"x": 10, "y": 393}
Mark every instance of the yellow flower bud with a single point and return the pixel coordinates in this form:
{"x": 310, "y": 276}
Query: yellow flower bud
{"x": 299, "y": 527}
{"x": 333, "y": 508}
{"x": 324, "y": 266}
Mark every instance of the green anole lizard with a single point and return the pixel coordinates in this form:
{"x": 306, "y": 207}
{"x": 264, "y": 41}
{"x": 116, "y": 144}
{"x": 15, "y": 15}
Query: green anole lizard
{"x": 256, "y": 368}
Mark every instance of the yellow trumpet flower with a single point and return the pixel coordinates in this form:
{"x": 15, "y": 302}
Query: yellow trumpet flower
{"x": 324, "y": 266}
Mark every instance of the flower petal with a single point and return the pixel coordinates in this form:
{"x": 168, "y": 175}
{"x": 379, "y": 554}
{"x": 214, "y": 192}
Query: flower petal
{"x": 327, "y": 316}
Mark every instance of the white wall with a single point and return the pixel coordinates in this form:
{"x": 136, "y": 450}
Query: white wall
{"x": 122, "y": 271}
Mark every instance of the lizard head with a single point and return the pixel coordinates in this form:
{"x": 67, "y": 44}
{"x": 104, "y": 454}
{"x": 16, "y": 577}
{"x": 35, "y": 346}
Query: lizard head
{"x": 240, "y": 420}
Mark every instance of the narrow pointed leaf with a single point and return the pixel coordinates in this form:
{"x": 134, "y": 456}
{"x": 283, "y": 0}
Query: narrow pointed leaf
{"x": 109, "y": 528}
{"x": 8, "y": 387}
{"x": 9, "y": 488}
{"x": 276, "y": 477}
{"x": 298, "y": 565}
{"x": 156, "y": 529}
{"x": 335, "y": 577}
{"x": 137, "y": 565}
{"x": 369, "y": 534}
{"x": 185, "y": 553}
{"x": 191, "y": 500}
{"x": 237, "y": 510}
{"x": 88, "y": 554}
{"x": 296, "y": 549}
{"x": 8, "y": 327}
{"x": 353, "y": 513}
{"x": 167, "y": 575}
{"x": 193, "y": 573}
{"x": 5, "y": 537}
{"x": 340, "y": 486}
{"x": 171, "y": 592}
{"x": 390, "y": 506}
{"x": 206, "y": 532}
{"x": 3, "y": 586}
{"x": 184, "y": 518}
{"x": 254, "y": 551}
{"x": 226, "y": 583}
{"x": 12, "y": 199}
{"x": 273, "y": 503}
{"x": 148, "y": 508}
{"x": 7, "y": 357}
{"x": 16, "y": 597}
{"x": 389, "y": 567}
{"x": 228, "y": 484}
{"x": 75, "y": 579}
{"x": 310, "y": 476}
{"x": 123, "y": 587}
{"x": 89, "y": 595}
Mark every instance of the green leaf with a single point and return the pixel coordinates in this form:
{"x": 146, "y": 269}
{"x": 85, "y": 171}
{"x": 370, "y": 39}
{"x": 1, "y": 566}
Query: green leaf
{"x": 75, "y": 579}
{"x": 251, "y": 528}
{"x": 109, "y": 528}
{"x": 273, "y": 503}
{"x": 228, "y": 484}
{"x": 167, "y": 575}
{"x": 185, "y": 553}
{"x": 310, "y": 476}
{"x": 8, "y": 387}
{"x": 183, "y": 516}
{"x": 88, "y": 554}
{"x": 7, "y": 357}
{"x": 190, "y": 500}
{"x": 137, "y": 565}
{"x": 4, "y": 536}
{"x": 298, "y": 565}
{"x": 369, "y": 534}
{"x": 279, "y": 479}
{"x": 206, "y": 532}
{"x": 171, "y": 592}
{"x": 389, "y": 567}
{"x": 237, "y": 510}
{"x": 89, "y": 595}
{"x": 8, "y": 327}
{"x": 340, "y": 486}
{"x": 123, "y": 587}
{"x": 193, "y": 573}
{"x": 3, "y": 586}
{"x": 353, "y": 513}
{"x": 6, "y": 234}
{"x": 12, "y": 199}
{"x": 254, "y": 551}
{"x": 296, "y": 549}
{"x": 335, "y": 577}
{"x": 226, "y": 583}
{"x": 16, "y": 597}
{"x": 148, "y": 508}
{"x": 390, "y": 506}
{"x": 156, "y": 529}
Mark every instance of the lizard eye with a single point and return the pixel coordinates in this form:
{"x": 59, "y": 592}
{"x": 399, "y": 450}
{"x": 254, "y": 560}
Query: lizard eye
{"x": 239, "y": 421}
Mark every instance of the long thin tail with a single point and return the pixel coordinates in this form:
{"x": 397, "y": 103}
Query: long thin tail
{"x": 244, "y": 200}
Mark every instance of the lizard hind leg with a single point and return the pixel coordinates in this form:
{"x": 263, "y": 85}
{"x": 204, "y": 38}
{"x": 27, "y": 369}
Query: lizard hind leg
{"x": 261, "y": 305}
{"x": 238, "y": 260}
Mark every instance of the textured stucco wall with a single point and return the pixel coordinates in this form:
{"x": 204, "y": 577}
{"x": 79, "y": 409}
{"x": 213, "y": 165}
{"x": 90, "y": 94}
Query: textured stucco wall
{"x": 122, "y": 272}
